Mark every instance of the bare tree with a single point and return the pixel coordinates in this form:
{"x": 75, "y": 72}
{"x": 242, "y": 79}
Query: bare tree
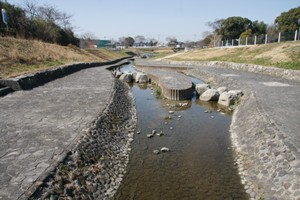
{"x": 140, "y": 39}
{"x": 65, "y": 20}
{"x": 87, "y": 40}
{"x": 171, "y": 39}
{"x": 153, "y": 42}
{"x": 122, "y": 41}
{"x": 31, "y": 8}
{"x": 49, "y": 13}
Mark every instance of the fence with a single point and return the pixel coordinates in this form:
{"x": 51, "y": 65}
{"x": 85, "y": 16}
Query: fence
{"x": 276, "y": 37}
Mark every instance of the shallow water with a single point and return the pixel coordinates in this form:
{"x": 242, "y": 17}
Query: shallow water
{"x": 200, "y": 162}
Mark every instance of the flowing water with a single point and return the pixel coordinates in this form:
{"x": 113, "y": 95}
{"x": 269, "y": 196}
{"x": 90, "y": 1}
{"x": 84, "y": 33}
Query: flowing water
{"x": 200, "y": 162}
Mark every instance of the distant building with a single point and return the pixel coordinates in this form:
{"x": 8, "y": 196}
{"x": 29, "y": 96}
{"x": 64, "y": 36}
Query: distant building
{"x": 105, "y": 44}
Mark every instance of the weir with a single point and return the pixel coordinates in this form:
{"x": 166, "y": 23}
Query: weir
{"x": 174, "y": 85}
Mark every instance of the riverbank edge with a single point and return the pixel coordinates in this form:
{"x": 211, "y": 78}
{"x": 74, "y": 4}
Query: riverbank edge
{"x": 32, "y": 80}
{"x": 79, "y": 150}
{"x": 266, "y": 165}
{"x": 267, "y": 70}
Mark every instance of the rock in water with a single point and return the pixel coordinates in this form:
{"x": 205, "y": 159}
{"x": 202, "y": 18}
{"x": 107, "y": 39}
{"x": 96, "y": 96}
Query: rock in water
{"x": 222, "y": 89}
{"x": 164, "y": 149}
{"x": 156, "y": 151}
{"x": 127, "y": 77}
{"x": 141, "y": 77}
{"x": 150, "y": 135}
{"x": 210, "y": 95}
{"x": 202, "y": 87}
{"x": 229, "y": 98}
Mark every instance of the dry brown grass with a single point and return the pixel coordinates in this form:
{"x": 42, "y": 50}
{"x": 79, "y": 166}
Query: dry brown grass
{"x": 18, "y": 56}
{"x": 284, "y": 55}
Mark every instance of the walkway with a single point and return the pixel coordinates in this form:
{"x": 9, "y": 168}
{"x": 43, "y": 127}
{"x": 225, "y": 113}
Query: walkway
{"x": 37, "y": 127}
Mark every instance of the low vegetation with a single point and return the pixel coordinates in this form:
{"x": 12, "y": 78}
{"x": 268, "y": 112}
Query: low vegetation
{"x": 284, "y": 55}
{"x": 18, "y": 56}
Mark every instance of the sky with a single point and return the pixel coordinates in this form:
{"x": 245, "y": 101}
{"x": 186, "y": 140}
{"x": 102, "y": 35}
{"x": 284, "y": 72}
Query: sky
{"x": 159, "y": 19}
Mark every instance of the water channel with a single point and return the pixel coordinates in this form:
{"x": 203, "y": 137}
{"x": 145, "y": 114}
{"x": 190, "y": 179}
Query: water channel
{"x": 200, "y": 162}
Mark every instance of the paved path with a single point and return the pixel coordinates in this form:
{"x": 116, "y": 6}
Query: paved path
{"x": 38, "y": 126}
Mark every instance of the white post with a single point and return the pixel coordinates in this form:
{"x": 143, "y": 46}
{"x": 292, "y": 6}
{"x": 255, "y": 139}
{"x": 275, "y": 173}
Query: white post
{"x": 246, "y": 41}
{"x": 255, "y": 38}
{"x": 279, "y": 37}
{"x": 222, "y": 43}
{"x": 266, "y": 39}
{"x": 296, "y": 33}
{"x": 239, "y": 41}
{"x": 232, "y": 41}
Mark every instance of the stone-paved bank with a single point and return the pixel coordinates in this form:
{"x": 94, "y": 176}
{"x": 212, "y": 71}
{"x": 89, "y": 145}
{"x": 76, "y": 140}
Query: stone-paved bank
{"x": 95, "y": 168}
{"x": 265, "y": 127}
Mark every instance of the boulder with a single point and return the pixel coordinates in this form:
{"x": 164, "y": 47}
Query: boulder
{"x": 141, "y": 77}
{"x": 127, "y": 77}
{"x": 118, "y": 73}
{"x": 202, "y": 87}
{"x": 238, "y": 93}
{"x": 210, "y": 95}
{"x": 222, "y": 89}
{"x": 229, "y": 98}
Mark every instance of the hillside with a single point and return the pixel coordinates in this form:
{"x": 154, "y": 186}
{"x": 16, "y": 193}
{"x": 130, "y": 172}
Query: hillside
{"x": 18, "y": 56}
{"x": 284, "y": 55}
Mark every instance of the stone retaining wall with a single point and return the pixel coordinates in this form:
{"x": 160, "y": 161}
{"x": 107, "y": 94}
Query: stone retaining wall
{"x": 29, "y": 81}
{"x": 272, "y": 71}
{"x": 95, "y": 168}
{"x": 267, "y": 167}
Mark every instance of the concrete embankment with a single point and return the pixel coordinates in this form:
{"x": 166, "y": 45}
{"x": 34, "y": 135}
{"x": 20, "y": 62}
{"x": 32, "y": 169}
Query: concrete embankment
{"x": 264, "y": 129}
{"x": 271, "y": 71}
{"x": 95, "y": 168}
{"x": 50, "y": 131}
{"x": 267, "y": 165}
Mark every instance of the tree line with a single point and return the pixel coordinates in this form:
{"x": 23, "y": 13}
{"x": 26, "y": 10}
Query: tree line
{"x": 239, "y": 27}
{"x": 32, "y": 21}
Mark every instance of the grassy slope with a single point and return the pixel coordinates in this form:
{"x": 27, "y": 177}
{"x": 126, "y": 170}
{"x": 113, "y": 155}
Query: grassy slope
{"x": 284, "y": 55}
{"x": 19, "y": 56}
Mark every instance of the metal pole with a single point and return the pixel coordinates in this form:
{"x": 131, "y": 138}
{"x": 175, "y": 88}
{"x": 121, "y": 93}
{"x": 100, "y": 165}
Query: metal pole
{"x": 266, "y": 39}
{"x": 299, "y": 29}
{"x": 296, "y": 33}
{"x": 279, "y": 37}
{"x": 232, "y": 41}
{"x": 255, "y": 38}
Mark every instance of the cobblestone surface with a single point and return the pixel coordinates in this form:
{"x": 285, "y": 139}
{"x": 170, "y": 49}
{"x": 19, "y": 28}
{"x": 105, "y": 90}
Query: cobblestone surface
{"x": 265, "y": 129}
{"x": 39, "y": 126}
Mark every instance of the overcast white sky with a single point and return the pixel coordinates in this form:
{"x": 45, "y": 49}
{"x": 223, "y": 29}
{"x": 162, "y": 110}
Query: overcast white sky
{"x": 184, "y": 19}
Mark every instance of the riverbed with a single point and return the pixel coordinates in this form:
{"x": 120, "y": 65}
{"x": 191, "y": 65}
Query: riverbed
{"x": 200, "y": 162}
